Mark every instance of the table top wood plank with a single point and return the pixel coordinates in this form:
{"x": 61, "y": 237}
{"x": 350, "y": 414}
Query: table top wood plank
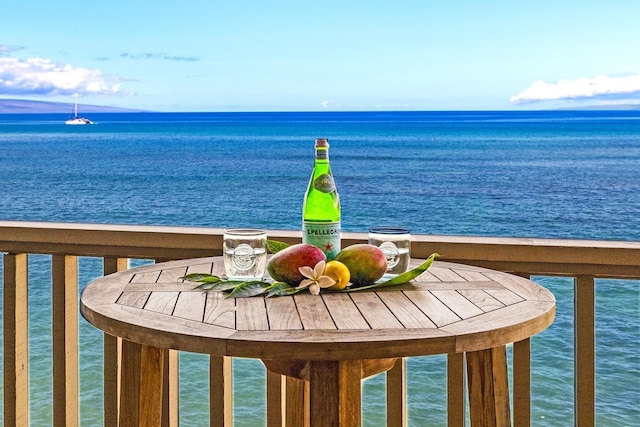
{"x": 219, "y": 310}
{"x": 251, "y": 314}
{"x": 481, "y": 299}
{"x": 190, "y": 305}
{"x": 134, "y": 299}
{"x": 170, "y": 286}
{"x": 146, "y": 276}
{"x": 344, "y": 312}
{"x": 282, "y": 314}
{"x": 205, "y": 267}
{"x": 458, "y": 303}
{"x": 406, "y": 312}
{"x": 162, "y": 302}
{"x": 473, "y": 275}
{"x": 432, "y": 307}
{"x": 505, "y": 296}
{"x": 172, "y": 274}
{"x": 521, "y": 286}
{"x": 375, "y": 311}
{"x": 313, "y": 315}
{"x": 445, "y": 274}
{"x": 426, "y": 277}
{"x": 456, "y": 286}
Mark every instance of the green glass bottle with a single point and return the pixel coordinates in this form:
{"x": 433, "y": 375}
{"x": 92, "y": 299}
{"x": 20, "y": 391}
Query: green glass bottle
{"x": 321, "y": 208}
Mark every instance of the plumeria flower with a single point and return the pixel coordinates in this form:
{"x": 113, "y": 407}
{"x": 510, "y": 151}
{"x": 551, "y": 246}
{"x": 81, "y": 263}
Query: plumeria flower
{"x": 314, "y": 278}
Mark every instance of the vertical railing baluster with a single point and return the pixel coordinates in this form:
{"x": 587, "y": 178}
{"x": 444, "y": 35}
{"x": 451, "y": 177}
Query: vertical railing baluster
{"x": 171, "y": 384}
{"x": 522, "y": 383}
{"x": 16, "y": 340}
{"x": 397, "y": 394}
{"x": 171, "y": 389}
{"x": 65, "y": 340}
{"x": 220, "y": 391}
{"x": 112, "y": 355}
{"x": 455, "y": 390}
{"x": 522, "y": 378}
{"x": 584, "y": 357}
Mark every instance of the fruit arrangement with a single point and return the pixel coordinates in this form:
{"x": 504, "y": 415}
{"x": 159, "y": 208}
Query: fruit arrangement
{"x": 304, "y": 267}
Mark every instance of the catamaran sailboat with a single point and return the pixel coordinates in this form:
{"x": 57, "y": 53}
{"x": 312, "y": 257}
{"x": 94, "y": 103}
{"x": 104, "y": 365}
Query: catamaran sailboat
{"x": 75, "y": 120}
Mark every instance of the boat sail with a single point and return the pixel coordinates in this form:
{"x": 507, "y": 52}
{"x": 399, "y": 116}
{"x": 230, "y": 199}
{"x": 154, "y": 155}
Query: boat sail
{"x": 75, "y": 120}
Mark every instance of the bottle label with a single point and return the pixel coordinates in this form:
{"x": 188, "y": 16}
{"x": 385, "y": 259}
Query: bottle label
{"x": 324, "y": 183}
{"x": 324, "y": 235}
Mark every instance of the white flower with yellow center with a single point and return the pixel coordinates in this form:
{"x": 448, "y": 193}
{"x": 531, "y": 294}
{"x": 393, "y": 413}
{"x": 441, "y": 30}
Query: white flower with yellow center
{"x": 315, "y": 279}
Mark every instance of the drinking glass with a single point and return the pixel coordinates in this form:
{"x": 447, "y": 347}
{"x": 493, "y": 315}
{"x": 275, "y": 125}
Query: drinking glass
{"x": 244, "y": 253}
{"x": 395, "y": 243}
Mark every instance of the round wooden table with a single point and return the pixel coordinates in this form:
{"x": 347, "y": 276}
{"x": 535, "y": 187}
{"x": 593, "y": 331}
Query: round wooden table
{"x": 332, "y": 340}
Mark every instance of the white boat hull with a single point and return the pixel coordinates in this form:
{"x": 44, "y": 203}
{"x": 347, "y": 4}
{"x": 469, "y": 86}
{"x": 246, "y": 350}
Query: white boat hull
{"x": 79, "y": 121}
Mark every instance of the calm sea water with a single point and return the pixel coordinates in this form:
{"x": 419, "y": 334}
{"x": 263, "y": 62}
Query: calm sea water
{"x": 525, "y": 174}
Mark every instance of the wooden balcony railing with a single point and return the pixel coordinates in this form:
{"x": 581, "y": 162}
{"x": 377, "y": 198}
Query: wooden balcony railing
{"x": 585, "y": 261}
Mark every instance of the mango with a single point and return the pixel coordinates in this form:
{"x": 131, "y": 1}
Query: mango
{"x": 366, "y": 263}
{"x": 283, "y": 266}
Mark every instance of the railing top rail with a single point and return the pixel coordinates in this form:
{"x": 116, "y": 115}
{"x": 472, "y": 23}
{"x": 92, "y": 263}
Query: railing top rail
{"x": 598, "y": 258}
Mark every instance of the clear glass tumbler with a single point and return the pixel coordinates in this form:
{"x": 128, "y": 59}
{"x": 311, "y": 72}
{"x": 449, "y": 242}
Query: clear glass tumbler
{"x": 395, "y": 243}
{"x": 244, "y": 253}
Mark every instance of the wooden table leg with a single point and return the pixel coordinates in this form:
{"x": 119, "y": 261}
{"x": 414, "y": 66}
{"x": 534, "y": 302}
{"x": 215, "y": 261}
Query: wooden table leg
{"x": 325, "y": 392}
{"x": 488, "y": 387}
{"x": 335, "y": 390}
{"x": 141, "y": 385}
{"x": 297, "y": 402}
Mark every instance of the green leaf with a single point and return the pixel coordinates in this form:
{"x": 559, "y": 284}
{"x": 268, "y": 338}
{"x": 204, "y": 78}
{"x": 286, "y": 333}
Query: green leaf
{"x": 280, "y": 289}
{"x": 405, "y": 277}
{"x": 221, "y": 286}
{"x": 408, "y": 276}
{"x": 275, "y": 246}
{"x": 200, "y": 277}
{"x": 248, "y": 289}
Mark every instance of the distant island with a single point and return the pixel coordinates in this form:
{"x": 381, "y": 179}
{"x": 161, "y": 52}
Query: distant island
{"x": 23, "y": 106}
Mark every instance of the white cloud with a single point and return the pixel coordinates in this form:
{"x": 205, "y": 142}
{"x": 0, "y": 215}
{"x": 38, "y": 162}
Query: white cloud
{"x": 37, "y": 76}
{"x": 162, "y": 56}
{"x": 582, "y": 88}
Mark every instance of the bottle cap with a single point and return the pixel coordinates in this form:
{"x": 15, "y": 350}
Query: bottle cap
{"x": 322, "y": 142}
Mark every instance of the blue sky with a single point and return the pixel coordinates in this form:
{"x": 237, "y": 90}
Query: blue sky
{"x": 303, "y": 55}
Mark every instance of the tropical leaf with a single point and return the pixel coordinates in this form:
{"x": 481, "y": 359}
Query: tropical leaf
{"x": 280, "y": 289}
{"x": 200, "y": 277}
{"x": 405, "y": 277}
{"x": 248, "y": 289}
{"x": 221, "y": 286}
{"x": 275, "y": 246}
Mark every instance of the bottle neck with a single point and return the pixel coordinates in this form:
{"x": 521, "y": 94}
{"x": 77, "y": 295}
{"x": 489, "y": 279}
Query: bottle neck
{"x": 322, "y": 153}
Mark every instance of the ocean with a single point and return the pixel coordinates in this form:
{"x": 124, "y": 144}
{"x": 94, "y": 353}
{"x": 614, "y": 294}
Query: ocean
{"x": 555, "y": 174}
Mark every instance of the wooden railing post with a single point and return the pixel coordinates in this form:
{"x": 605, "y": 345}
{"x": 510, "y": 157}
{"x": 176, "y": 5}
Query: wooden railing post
{"x": 16, "y": 345}
{"x": 522, "y": 383}
{"x": 171, "y": 389}
{"x": 65, "y": 340}
{"x": 522, "y": 378}
{"x": 584, "y": 357}
{"x": 112, "y": 356}
{"x": 397, "y": 394}
{"x": 220, "y": 391}
{"x": 455, "y": 390}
